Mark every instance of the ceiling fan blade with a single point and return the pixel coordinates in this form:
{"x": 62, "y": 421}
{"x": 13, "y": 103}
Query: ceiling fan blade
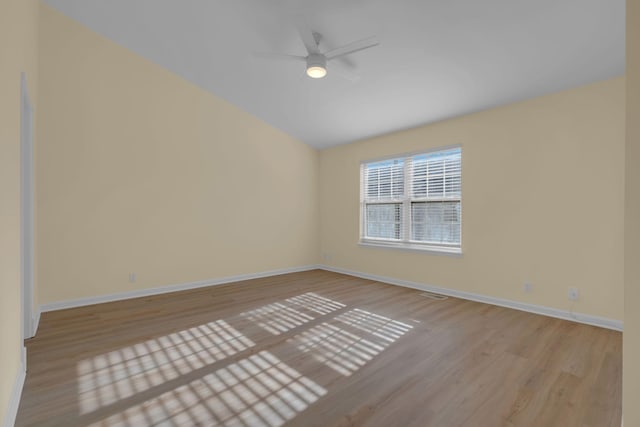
{"x": 343, "y": 72}
{"x": 308, "y": 38}
{"x": 268, "y": 55}
{"x": 352, "y": 47}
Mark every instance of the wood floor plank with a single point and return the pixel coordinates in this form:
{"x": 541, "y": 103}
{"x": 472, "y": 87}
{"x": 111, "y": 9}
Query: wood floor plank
{"x": 317, "y": 349}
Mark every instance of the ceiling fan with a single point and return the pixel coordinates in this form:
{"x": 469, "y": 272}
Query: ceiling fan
{"x": 315, "y": 59}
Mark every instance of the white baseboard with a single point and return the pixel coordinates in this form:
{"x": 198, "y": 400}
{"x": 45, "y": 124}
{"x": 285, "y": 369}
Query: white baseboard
{"x": 36, "y": 321}
{"x": 80, "y": 302}
{"x": 588, "y": 319}
{"x": 532, "y": 308}
{"x": 14, "y": 400}
{"x": 23, "y": 357}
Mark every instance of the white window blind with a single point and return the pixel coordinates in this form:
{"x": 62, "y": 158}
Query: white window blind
{"x": 413, "y": 200}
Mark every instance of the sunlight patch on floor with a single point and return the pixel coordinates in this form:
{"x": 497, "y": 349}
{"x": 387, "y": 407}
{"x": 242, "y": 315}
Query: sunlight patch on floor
{"x": 375, "y": 324}
{"x": 282, "y": 316}
{"x": 256, "y": 390}
{"x": 347, "y": 351}
{"x": 259, "y": 390}
{"x": 108, "y": 378}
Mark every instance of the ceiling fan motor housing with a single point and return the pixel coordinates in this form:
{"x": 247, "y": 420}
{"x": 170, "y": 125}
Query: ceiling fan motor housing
{"x": 316, "y": 60}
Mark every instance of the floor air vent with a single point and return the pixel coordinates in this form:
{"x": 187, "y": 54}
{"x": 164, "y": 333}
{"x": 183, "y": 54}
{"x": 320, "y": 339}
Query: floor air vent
{"x": 431, "y": 295}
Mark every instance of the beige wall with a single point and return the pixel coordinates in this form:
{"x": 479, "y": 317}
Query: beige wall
{"x": 18, "y": 53}
{"x": 140, "y": 171}
{"x": 543, "y": 192}
{"x": 631, "y": 337}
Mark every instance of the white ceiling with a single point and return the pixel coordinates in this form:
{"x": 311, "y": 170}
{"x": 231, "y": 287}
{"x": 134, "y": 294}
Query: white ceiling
{"x": 437, "y": 58}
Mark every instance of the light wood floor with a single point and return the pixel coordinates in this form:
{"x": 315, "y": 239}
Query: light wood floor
{"x": 317, "y": 349}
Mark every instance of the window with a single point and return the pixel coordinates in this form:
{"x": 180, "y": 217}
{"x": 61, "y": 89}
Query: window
{"x": 413, "y": 201}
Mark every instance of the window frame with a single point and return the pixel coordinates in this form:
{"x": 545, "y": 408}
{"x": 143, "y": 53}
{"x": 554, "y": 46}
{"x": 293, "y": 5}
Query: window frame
{"x": 406, "y": 201}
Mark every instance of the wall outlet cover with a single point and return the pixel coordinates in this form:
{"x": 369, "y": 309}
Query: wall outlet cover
{"x": 573, "y": 294}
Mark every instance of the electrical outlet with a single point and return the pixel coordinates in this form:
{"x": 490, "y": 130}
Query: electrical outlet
{"x": 527, "y": 287}
{"x": 573, "y": 294}
{"x": 132, "y": 277}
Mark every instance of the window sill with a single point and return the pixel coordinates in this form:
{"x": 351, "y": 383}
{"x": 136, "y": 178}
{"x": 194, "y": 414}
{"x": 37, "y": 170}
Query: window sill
{"x": 436, "y": 250}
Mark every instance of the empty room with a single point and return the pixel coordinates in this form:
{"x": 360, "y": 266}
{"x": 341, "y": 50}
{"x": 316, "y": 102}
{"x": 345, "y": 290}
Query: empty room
{"x": 338, "y": 213}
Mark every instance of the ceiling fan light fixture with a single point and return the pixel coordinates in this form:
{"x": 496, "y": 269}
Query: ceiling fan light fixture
{"x": 316, "y": 66}
{"x": 316, "y": 72}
